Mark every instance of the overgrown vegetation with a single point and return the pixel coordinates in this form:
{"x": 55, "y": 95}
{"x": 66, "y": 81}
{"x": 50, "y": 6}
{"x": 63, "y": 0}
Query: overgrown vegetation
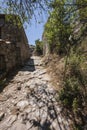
{"x": 65, "y": 25}
{"x": 57, "y": 30}
{"x": 65, "y": 32}
{"x": 74, "y": 92}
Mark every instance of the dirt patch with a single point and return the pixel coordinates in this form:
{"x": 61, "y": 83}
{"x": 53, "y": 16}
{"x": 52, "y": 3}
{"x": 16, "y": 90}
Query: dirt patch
{"x": 55, "y": 67}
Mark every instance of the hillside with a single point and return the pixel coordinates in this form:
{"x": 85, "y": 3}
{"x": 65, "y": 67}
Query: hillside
{"x": 69, "y": 78}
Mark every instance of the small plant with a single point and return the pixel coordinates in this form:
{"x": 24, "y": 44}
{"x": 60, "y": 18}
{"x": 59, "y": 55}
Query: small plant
{"x": 69, "y": 92}
{"x": 75, "y": 105}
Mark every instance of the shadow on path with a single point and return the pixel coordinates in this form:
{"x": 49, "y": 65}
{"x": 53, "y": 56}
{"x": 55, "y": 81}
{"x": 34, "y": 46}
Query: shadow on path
{"x": 29, "y": 66}
{"x": 50, "y": 115}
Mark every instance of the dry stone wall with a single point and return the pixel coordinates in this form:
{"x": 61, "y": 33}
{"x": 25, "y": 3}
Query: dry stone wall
{"x": 14, "y": 47}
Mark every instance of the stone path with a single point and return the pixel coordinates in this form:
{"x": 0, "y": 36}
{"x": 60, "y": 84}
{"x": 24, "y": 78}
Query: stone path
{"x": 28, "y": 101}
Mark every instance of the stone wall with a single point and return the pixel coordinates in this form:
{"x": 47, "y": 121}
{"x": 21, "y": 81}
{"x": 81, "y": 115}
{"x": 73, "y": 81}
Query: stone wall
{"x": 46, "y": 50}
{"x": 14, "y": 47}
{"x": 46, "y": 47}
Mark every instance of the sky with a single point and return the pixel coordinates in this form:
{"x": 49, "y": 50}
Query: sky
{"x": 35, "y": 29}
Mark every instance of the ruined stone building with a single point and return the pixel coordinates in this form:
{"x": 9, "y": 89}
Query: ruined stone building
{"x": 14, "y": 48}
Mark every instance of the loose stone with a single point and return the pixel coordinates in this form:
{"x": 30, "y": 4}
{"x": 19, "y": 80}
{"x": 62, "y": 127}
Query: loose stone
{"x": 22, "y": 104}
{"x": 28, "y": 102}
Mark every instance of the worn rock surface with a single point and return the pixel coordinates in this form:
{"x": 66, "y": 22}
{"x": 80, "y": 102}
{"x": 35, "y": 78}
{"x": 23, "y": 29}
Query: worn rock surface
{"x": 28, "y": 101}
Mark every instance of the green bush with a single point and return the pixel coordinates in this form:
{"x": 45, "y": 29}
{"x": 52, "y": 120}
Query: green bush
{"x": 39, "y": 47}
{"x": 73, "y": 95}
{"x": 70, "y": 92}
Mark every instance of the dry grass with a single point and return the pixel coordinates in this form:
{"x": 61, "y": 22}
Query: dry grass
{"x": 55, "y": 67}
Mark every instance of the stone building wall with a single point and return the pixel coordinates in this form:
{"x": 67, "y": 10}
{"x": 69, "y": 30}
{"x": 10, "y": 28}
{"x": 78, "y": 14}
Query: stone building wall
{"x": 14, "y": 47}
{"x": 46, "y": 47}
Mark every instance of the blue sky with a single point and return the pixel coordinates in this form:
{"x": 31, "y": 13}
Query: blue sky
{"x": 35, "y": 29}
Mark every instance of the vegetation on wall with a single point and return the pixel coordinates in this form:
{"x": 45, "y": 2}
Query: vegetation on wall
{"x": 25, "y": 9}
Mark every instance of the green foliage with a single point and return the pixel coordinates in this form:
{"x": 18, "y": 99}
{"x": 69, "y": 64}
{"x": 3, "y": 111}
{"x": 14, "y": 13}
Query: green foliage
{"x": 74, "y": 93}
{"x": 70, "y": 92}
{"x": 75, "y": 79}
{"x": 82, "y": 5}
{"x": 61, "y": 24}
{"x": 39, "y": 47}
{"x": 75, "y": 105}
{"x": 14, "y": 19}
{"x": 57, "y": 30}
{"x": 25, "y": 9}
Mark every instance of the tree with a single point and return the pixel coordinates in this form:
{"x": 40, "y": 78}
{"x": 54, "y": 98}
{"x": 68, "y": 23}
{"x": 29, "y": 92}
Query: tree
{"x": 25, "y": 8}
{"x": 66, "y": 24}
{"x": 82, "y": 7}
{"x": 57, "y": 29}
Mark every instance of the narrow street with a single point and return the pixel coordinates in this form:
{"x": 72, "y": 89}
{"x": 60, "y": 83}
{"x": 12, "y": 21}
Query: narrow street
{"x": 28, "y": 101}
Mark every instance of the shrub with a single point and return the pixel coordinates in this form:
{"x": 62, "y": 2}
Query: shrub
{"x": 74, "y": 92}
{"x": 39, "y": 47}
{"x": 69, "y": 92}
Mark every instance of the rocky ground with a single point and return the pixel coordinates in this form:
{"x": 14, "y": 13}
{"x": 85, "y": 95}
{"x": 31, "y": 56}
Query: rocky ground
{"x": 28, "y": 101}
